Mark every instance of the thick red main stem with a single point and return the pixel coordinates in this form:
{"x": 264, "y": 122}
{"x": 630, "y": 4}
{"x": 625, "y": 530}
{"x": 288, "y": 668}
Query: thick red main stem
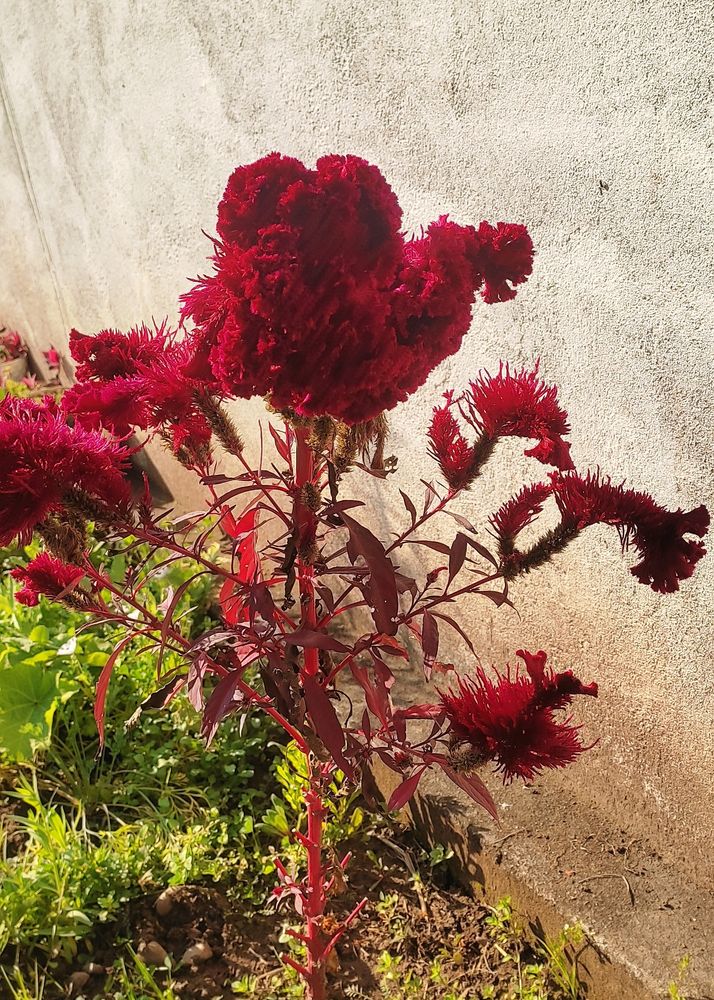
{"x": 315, "y": 898}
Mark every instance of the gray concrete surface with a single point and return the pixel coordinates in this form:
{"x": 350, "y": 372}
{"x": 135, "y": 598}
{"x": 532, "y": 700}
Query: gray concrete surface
{"x": 589, "y": 121}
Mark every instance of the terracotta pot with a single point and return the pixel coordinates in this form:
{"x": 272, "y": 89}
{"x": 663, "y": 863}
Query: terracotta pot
{"x": 15, "y": 369}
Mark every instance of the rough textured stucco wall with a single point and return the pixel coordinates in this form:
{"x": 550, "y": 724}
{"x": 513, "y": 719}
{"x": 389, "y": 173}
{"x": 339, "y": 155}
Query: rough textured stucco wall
{"x": 591, "y": 122}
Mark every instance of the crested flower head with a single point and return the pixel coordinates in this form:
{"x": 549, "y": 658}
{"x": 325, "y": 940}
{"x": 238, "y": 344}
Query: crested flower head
{"x": 116, "y": 406}
{"x": 45, "y": 576}
{"x": 510, "y": 720}
{"x": 505, "y": 259}
{"x": 320, "y": 304}
{"x": 666, "y": 555}
{"x": 111, "y": 354}
{"x": 449, "y": 447}
{"x": 518, "y": 512}
{"x": 519, "y": 404}
{"x": 42, "y": 459}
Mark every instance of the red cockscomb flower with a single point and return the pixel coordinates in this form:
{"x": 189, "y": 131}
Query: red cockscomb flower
{"x": 449, "y": 447}
{"x": 505, "y": 259}
{"x": 42, "y": 459}
{"x": 510, "y": 721}
{"x": 519, "y": 404}
{"x": 141, "y": 379}
{"x": 657, "y": 534}
{"x": 111, "y": 354}
{"x": 320, "y": 304}
{"x": 45, "y": 576}
{"x": 518, "y": 512}
{"x": 115, "y": 406}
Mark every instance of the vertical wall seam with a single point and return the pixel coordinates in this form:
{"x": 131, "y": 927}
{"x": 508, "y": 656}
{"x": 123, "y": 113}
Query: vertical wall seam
{"x": 23, "y": 162}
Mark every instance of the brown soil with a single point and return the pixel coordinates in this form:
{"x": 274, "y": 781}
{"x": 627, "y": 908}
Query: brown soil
{"x": 419, "y": 923}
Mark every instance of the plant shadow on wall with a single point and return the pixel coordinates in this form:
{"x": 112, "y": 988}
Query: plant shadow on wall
{"x": 318, "y": 303}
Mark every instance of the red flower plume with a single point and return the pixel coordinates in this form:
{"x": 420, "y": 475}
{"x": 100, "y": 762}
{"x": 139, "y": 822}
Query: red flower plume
{"x": 44, "y": 576}
{"x": 510, "y": 404}
{"x": 42, "y": 459}
{"x": 667, "y": 557}
{"x": 510, "y": 721}
{"x": 519, "y": 404}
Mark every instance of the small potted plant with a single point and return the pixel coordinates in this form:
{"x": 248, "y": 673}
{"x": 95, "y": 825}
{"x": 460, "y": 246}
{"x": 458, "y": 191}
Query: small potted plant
{"x": 13, "y": 356}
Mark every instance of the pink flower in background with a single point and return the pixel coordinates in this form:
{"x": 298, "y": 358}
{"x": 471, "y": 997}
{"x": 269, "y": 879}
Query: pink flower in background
{"x": 45, "y": 576}
{"x": 510, "y": 720}
{"x": 53, "y": 359}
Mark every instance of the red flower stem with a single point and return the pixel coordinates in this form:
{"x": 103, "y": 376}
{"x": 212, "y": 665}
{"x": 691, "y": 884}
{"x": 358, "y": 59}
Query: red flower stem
{"x": 315, "y": 897}
{"x": 304, "y": 472}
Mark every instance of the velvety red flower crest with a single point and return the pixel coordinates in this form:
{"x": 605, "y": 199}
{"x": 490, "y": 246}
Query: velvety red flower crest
{"x": 510, "y": 721}
{"x": 320, "y": 304}
{"x": 45, "y": 576}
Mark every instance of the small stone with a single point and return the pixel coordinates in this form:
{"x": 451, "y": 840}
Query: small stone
{"x": 94, "y": 970}
{"x": 152, "y": 953}
{"x": 164, "y": 903}
{"x": 198, "y": 952}
{"x": 77, "y": 982}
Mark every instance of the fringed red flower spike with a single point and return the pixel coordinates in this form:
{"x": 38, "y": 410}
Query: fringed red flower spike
{"x": 42, "y": 459}
{"x": 667, "y": 557}
{"x": 518, "y": 512}
{"x": 45, "y": 576}
{"x": 510, "y": 404}
{"x": 111, "y": 354}
{"x": 320, "y": 304}
{"x": 510, "y": 721}
{"x": 519, "y": 404}
{"x": 449, "y": 447}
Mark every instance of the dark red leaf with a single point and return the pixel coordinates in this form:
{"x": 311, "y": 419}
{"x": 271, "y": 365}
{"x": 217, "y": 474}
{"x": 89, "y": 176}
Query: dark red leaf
{"x": 483, "y": 551}
{"x": 463, "y": 522}
{"x": 390, "y": 646}
{"x": 430, "y": 495}
{"x": 377, "y": 698}
{"x": 457, "y": 555}
{"x": 158, "y": 699}
{"x": 498, "y": 597}
{"x": 221, "y": 703}
{"x": 310, "y": 639}
{"x": 436, "y": 546}
{"x": 429, "y": 640}
{"x": 473, "y": 787}
{"x": 281, "y": 445}
{"x": 420, "y": 712}
{"x": 382, "y": 581}
{"x": 324, "y": 718}
{"x": 410, "y": 506}
{"x": 194, "y": 681}
{"x": 103, "y": 685}
{"x": 456, "y": 627}
{"x": 402, "y": 793}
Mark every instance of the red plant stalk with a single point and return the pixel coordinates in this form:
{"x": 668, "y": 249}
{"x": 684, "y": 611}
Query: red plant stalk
{"x": 315, "y": 897}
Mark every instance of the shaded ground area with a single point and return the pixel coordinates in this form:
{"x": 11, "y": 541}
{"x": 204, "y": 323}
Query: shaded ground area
{"x": 417, "y": 939}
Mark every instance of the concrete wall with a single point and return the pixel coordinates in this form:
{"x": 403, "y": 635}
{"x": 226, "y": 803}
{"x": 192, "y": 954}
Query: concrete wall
{"x": 589, "y": 121}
